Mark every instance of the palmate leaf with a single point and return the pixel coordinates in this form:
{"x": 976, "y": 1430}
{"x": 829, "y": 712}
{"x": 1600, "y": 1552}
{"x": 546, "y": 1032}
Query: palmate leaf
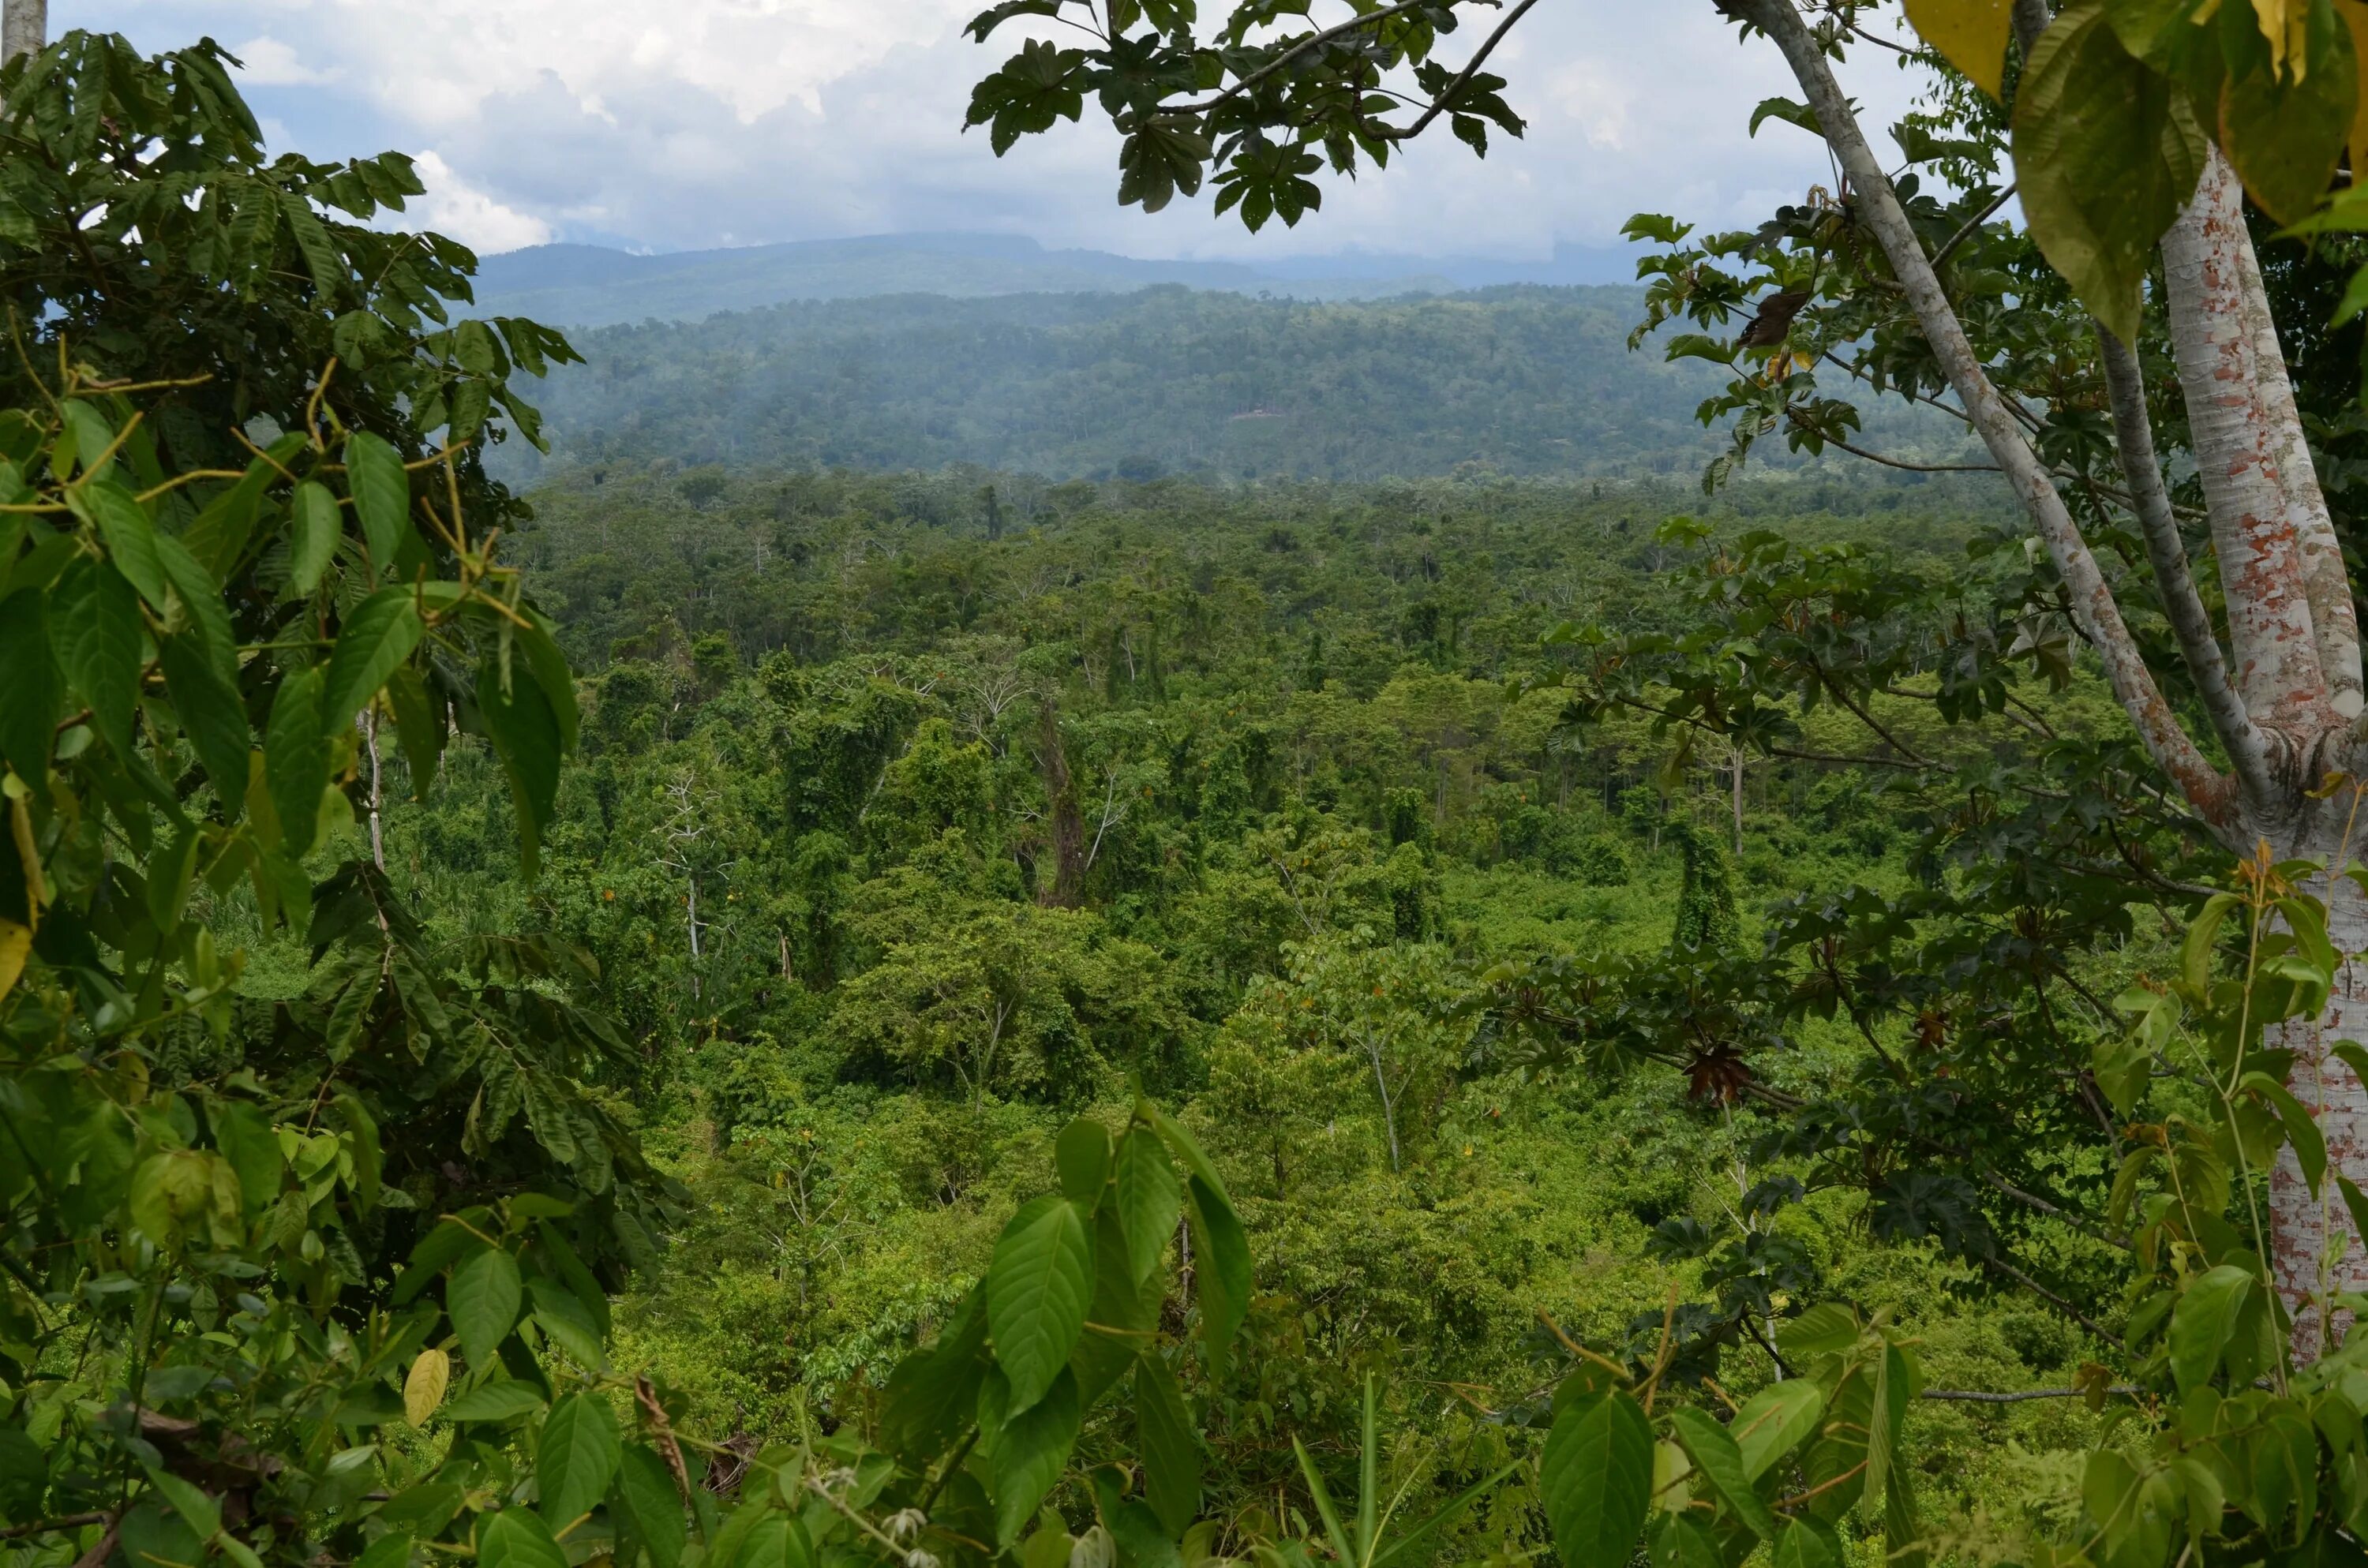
{"x": 1036, "y": 1288}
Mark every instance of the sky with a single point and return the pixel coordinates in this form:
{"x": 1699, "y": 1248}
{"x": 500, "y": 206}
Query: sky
{"x": 692, "y": 124}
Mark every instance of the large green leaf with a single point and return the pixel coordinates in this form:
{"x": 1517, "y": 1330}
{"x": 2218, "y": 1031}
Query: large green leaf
{"x": 130, "y": 536}
{"x": 377, "y": 637}
{"x": 31, "y": 695}
{"x": 494, "y": 1403}
{"x": 1150, "y": 1199}
{"x": 2204, "y": 1322}
{"x": 1717, "y": 1457}
{"x": 2106, "y": 154}
{"x": 312, "y": 530}
{"x": 577, "y": 1458}
{"x": 1221, "y": 1272}
{"x": 1596, "y": 1480}
{"x": 1118, "y": 1322}
{"x": 96, "y": 634}
{"x": 775, "y": 1542}
{"x": 1082, "y": 1157}
{"x": 296, "y": 760}
{"x": 932, "y": 1392}
{"x": 1774, "y": 1421}
{"x": 515, "y": 1538}
{"x": 418, "y": 727}
{"x": 211, "y": 716}
{"x": 646, "y": 1500}
{"x": 381, "y": 493}
{"x": 1031, "y": 1453}
{"x": 1171, "y": 1447}
{"x": 1803, "y": 1545}
{"x": 1037, "y": 1287}
{"x": 218, "y": 536}
{"x": 482, "y": 1299}
{"x": 526, "y": 736}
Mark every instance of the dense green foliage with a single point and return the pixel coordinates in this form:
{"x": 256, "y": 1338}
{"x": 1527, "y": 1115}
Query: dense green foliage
{"x": 1505, "y": 381}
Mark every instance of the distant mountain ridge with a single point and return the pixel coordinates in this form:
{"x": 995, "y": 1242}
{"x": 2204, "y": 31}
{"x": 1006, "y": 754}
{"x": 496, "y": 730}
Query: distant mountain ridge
{"x": 589, "y": 286}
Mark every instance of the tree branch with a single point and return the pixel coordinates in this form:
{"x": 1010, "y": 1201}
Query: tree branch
{"x": 2214, "y": 794}
{"x": 1439, "y": 105}
{"x": 2174, "y": 583}
{"x": 1973, "y": 225}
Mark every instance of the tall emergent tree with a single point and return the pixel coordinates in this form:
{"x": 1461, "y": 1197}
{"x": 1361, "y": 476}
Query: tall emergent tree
{"x": 2138, "y": 128}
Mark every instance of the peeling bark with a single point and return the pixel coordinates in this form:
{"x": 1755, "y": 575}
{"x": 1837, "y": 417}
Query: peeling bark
{"x": 2271, "y": 634}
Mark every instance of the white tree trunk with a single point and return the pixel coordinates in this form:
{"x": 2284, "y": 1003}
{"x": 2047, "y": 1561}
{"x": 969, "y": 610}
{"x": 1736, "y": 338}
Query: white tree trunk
{"x": 24, "y": 28}
{"x": 2208, "y": 264}
{"x": 2302, "y": 1226}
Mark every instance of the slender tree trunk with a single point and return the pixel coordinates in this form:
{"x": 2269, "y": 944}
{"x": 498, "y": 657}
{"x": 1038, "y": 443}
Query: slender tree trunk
{"x": 24, "y": 28}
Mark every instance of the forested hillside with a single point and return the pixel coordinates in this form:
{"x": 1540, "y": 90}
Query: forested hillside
{"x": 1516, "y": 382}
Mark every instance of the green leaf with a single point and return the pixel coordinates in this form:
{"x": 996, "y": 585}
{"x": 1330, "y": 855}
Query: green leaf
{"x": 1031, "y": 1453}
{"x": 377, "y": 637}
{"x": 31, "y": 695}
{"x": 568, "y": 1321}
{"x": 1596, "y": 1480}
{"x": 1120, "y": 1320}
{"x": 130, "y": 537}
{"x": 244, "y": 1133}
{"x": 539, "y": 641}
{"x": 2203, "y": 935}
{"x": 218, "y": 536}
{"x": 381, "y": 493}
{"x": 312, "y": 537}
{"x": 1082, "y": 1156}
{"x": 2106, "y": 154}
{"x": 1802, "y": 1545}
{"x": 1222, "y": 1275}
{"x": 418, "y": 727}
{"x": 211, "y": 716}
{"x": 526, "y": 736}
{"x": 932, "y": 1393}
{"x": 1675, "y": 1541}
{"x": 86, "y": 436}
{"x": 646, "y": 1498}
{"x": 1037, "y": 1287}
{"x": 1717, "y": 1455}
{"x": 96, "y": 634}
{"x": 362, "y": 1134}
{"x": 515, "y": 1537}
{"x": 2302, "y": 1131}
{"x": 1775, "y": 1420}
{"x": 775, "y": 1542}
{"x": 1826, "y": 1329}
{"x": 1171, "y": 1447}
{"x": 296, "y": 760}
{"x": 482, "y": 1299}
{"x": 2204, "y": 1322}
{"x": 1150, "y": 1199}
{"x": 504, "y": 1401}
{"x": 577, "y": 1458}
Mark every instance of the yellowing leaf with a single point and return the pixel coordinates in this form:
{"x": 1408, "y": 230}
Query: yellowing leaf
{"x": 1971, "y": 35}
{"x": 2355, "y": 16}
{"x": 16, "y": 942}
{"x": 2286, "y": 24}
{"x": 423, "y": 1388}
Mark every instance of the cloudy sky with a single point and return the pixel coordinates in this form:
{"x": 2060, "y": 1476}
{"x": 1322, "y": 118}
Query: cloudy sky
{"x": 662, "y": 125}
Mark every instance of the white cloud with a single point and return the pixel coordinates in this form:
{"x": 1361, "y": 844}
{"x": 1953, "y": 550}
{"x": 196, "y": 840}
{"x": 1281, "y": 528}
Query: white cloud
{"x": 453, "y": 207}
{"x": 266, "y": 62}
{"x": 701, "y": 122}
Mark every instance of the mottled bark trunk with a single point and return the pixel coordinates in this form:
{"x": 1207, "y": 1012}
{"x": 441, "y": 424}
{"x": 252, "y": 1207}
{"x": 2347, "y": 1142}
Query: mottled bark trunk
{"x": 2302, "y": 1226}
{"x": 24, "y": 28}
{"x": 2238, "y": 453}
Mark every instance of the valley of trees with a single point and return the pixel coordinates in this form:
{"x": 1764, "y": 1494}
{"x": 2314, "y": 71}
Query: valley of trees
{"x": 797, "y": 997}
{"x": 1513, "y": 382}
